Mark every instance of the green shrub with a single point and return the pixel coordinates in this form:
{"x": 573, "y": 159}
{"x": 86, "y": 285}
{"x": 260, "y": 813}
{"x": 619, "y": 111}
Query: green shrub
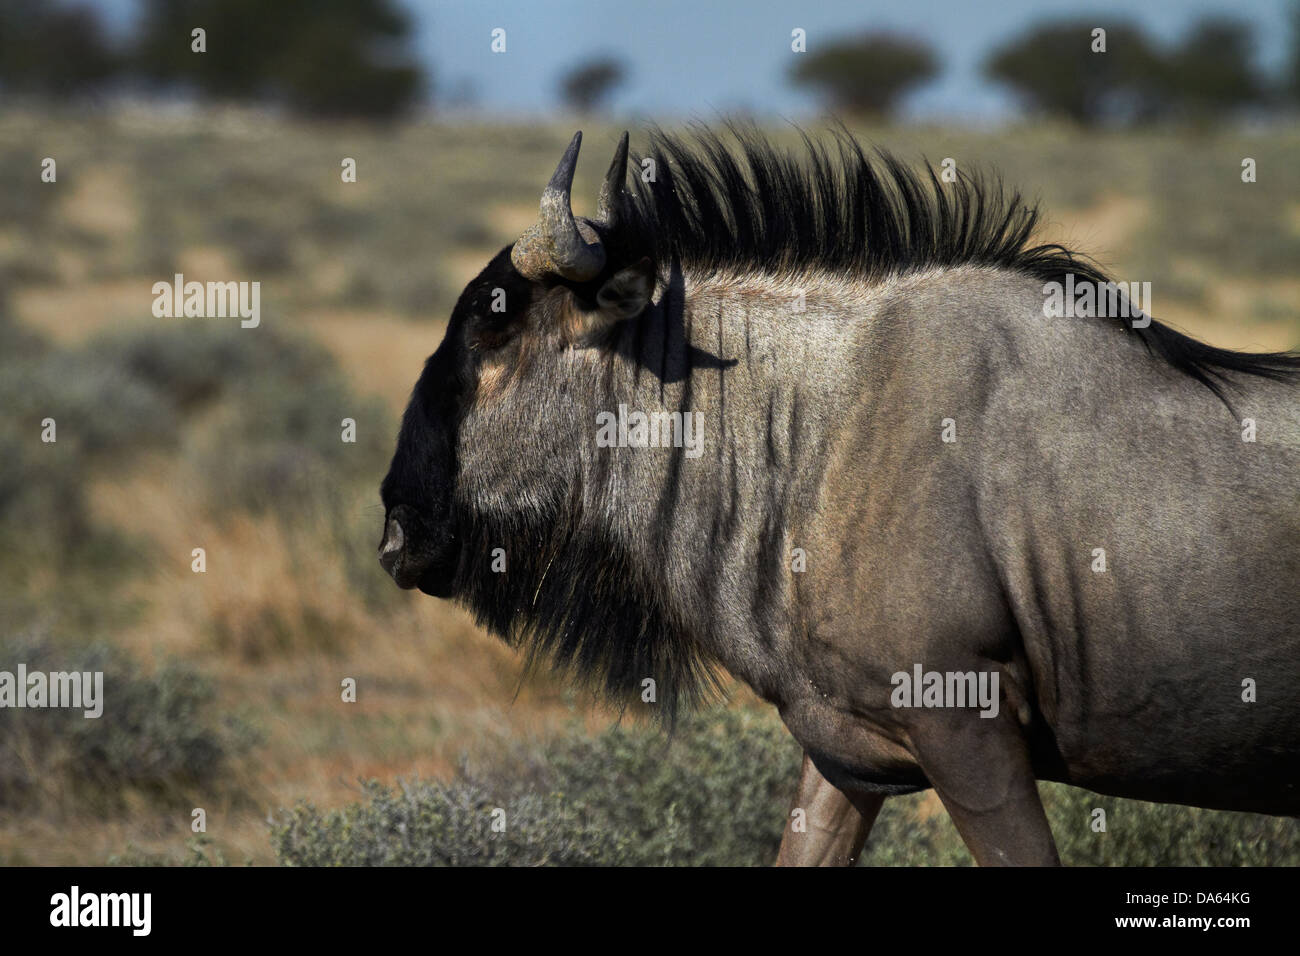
{"x": 279, "y": 401}
{"x": 441, "y": 825}
{"x": 901, "y": 836}
{"x": 275, "y": 404}
{"x": 199, "y": 360}
{"x": 102, "y": 411}
{"x": 1157, "y": 834}
{"x": 159, "y": 735}
{"x": 26, "y": 201}
{"x": 102, "y": 416}
{"x": 1137, "y": 834}
{"x": 715, "y": 794}
{"x": 17, "y": 341}
{"x": 200, "y": 850}
{"x": 278, "y": 448}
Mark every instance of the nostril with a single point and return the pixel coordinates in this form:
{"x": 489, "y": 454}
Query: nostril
{"x": 394, "y": 539}
{"x": 390, "y": 550}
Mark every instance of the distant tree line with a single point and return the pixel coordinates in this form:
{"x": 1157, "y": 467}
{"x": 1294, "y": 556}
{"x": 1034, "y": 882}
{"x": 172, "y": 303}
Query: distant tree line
{"x": 353, "y": 58}
{"x": 1121, "y": 76}
{"x": 314, "y": 57}
{"x": 1092, "y": 71}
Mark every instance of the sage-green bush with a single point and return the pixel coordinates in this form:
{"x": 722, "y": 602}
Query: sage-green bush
{"x": 160, "y": 734}
{"x": 715, "y": 794}
{"x": 270, "y": 406}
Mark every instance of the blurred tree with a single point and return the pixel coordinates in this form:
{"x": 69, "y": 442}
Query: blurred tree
{"x": 51, "y": 49}
{"x": 586, "y": 87}
{"x": 1212, "y": 71}
{"x": 1054, "y": 70}
{"x": 317, "y": 57}
{"x": 869, "y": 74}
{"x": 1292, "y": 78}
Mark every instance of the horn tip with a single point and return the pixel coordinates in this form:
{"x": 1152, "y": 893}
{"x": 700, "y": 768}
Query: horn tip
{"x": 571, "y": 151}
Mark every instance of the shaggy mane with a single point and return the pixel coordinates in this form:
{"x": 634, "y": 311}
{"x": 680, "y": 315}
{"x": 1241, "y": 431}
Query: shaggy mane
{"x": 741, "y": 204}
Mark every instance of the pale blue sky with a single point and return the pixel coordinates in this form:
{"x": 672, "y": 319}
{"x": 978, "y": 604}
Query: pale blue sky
{"x": 699, "y": 57}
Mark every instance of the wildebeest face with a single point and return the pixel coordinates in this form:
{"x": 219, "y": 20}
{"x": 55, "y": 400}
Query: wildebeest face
{"x": 486, "y": 429}
{"x": 420, "y": 543}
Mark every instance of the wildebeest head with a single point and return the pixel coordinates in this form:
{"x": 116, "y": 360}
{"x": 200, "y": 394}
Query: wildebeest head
{"x": 474, "y": 442}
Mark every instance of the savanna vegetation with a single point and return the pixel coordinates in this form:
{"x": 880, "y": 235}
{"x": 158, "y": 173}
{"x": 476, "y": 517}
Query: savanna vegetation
{"x": 175, "y": 434}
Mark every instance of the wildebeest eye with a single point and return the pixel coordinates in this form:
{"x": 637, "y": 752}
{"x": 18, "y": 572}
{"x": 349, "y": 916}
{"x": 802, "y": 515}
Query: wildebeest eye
{"x": 485, "y": 335}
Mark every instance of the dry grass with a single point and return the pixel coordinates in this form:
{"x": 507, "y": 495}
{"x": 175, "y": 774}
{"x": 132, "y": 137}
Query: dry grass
{"x": 382, "y": 354}
{"x": 71, "y": 314}
{"x": 279, "y": 629}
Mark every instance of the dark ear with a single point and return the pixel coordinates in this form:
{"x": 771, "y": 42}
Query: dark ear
{"x": 624, "y": 295}
{"x": 627, "y": 292}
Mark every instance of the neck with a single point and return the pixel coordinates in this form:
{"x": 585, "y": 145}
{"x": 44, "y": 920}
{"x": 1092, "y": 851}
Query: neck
{"x": 757, "y": 368}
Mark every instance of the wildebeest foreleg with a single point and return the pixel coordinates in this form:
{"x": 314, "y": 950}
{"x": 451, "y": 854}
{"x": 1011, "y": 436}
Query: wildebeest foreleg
{"x": 981, "y": 771}
{"x": 825, "y": 828}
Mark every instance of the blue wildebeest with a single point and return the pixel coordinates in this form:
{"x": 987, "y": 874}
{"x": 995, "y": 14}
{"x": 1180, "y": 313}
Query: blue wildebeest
{"x": 914, "y": 490}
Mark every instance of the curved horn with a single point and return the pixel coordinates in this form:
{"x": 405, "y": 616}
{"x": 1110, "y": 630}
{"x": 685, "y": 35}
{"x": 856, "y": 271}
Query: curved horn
{"x": 611, "y": 192}
{"x": 554, "y": 244}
